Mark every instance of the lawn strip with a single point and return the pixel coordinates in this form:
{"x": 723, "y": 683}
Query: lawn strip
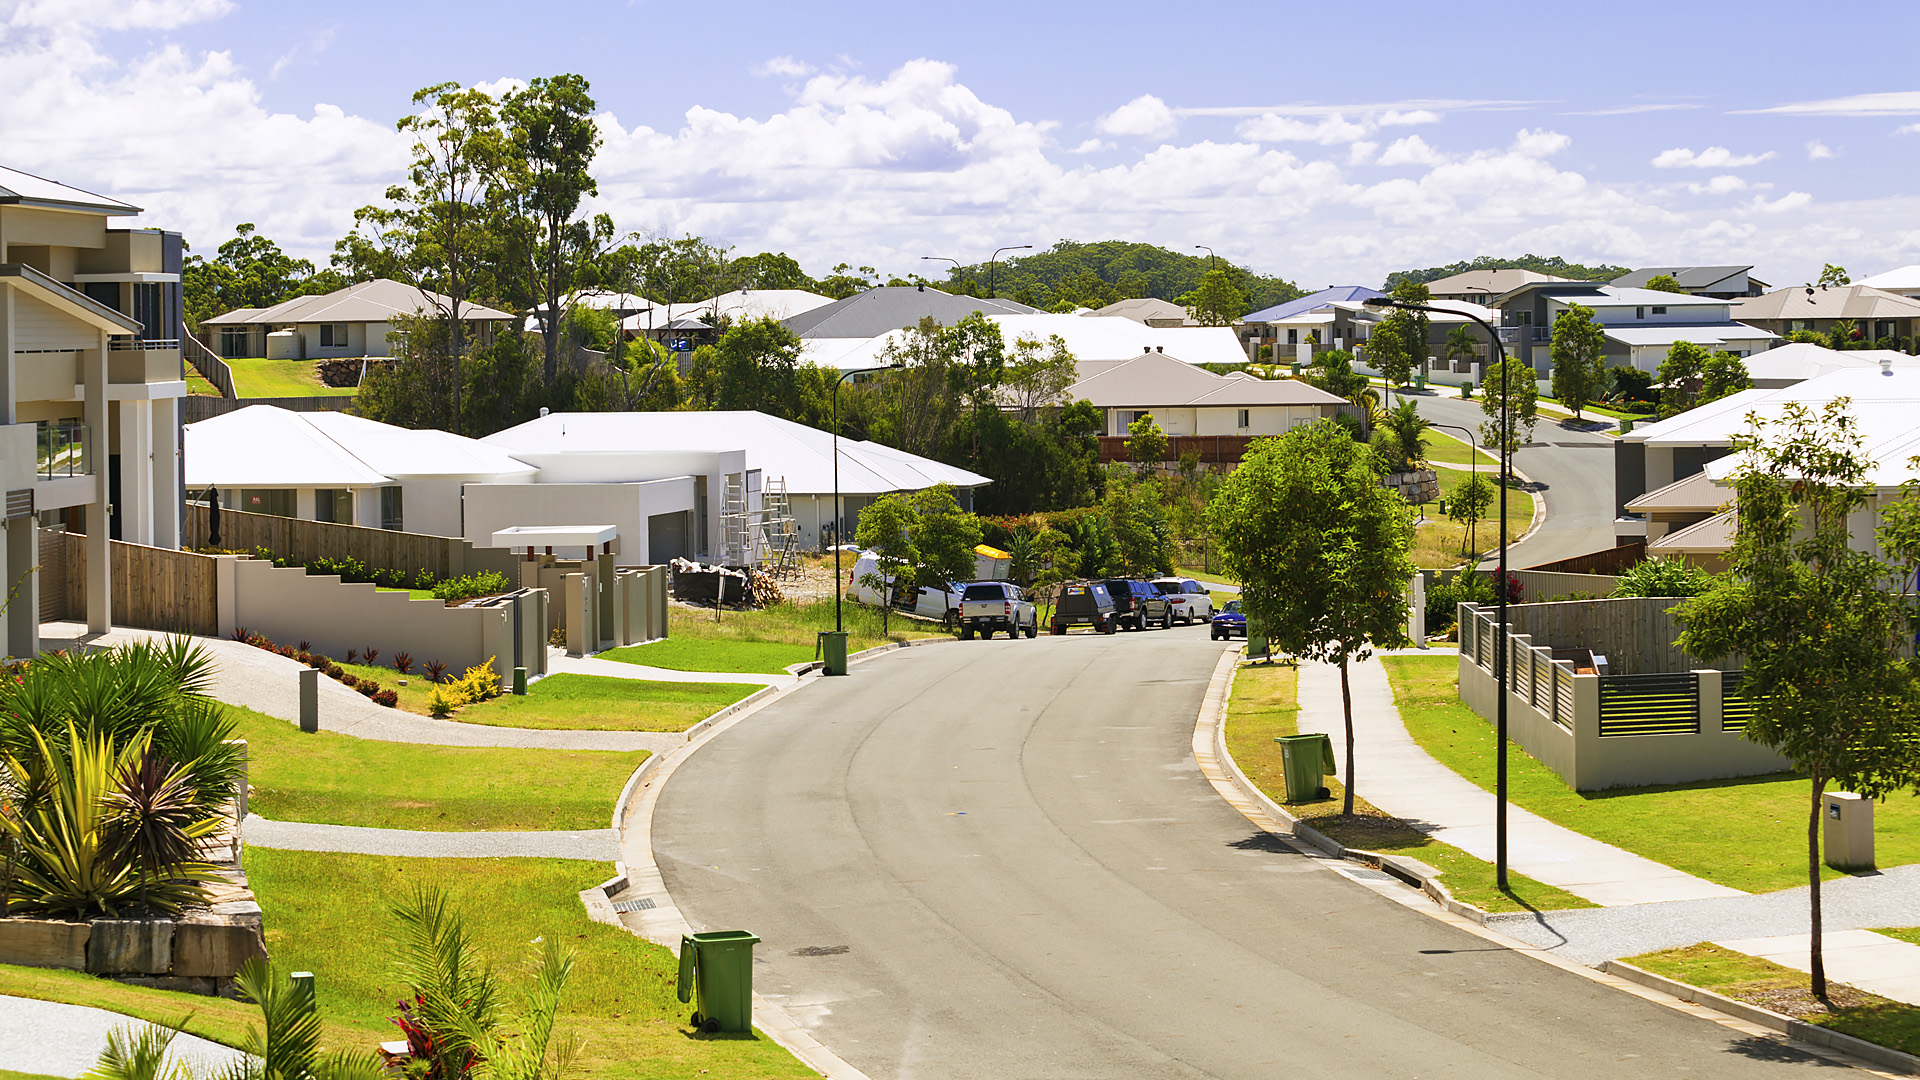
{"x": 1773, "y": 986}
{"x": 1908, "y": 934}
{"x": 1746, "y": 833}
{"x": 215, "y": 1019}
{"x": 570, "y": 701}
{"x": 333, "y": 779}
{"x": 1438, "y": 542}
{"x": 1264, "y": 707}
{"x": 329, "y": 914}
{"x": 767, "y": 640}
{"x": 262, "y": 378}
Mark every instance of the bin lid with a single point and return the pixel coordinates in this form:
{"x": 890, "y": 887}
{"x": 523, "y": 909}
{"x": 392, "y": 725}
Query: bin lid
{"x": 718, "y": 936}
{"x": 1327, "y": 766}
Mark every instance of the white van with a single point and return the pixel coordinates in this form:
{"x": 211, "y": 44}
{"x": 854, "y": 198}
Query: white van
{"x": 932, "y": 602}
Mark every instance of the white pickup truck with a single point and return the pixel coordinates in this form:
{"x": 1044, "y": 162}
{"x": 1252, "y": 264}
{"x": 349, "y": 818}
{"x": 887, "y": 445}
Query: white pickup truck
{"x": 987, "y": 606}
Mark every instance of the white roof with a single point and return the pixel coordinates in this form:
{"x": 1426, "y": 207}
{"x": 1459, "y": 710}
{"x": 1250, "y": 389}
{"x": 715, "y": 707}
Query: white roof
{"x": 19, "y": 187}
{"x": 379, "y": 300}
{"x": 1805, "y": 360}
{"x": 777, "y": 447}
{"x": 1615, "y": 296}
{"x": 521, "y": 536}
{"x": 267, "y": 446}
{"x": 1698, "y": 333}
{"x": 1157, "y": 380}
{"x": 1900, "y": 279}
{"x": 1088, "y": 339}
{"x": 758, "y": 304}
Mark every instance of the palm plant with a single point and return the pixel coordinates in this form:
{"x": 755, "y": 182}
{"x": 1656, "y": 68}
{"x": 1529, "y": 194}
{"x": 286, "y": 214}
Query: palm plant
{"x": 1459, "y": 343}
{"x": 1401, "y": 438}
{"x": 1023, "y": 551}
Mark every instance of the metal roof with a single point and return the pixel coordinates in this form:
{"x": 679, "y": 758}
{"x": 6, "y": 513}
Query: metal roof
{"x": 1145, "y": 308}
{"x": 379, "y": 300}
{"x": 26, "y": 189}
{"x": 267, "y": 446}
{"x": 1698, "y": 333}
{"x": 1710, "y": 537}
{"x": 1830, "y": 302}
{"x": 1157, "y": 380}
{"x": 1492, "y": 282}
{"x": 878, "y": 311}
{"x": 1308, "y": 303}
{"x": 1899, "y": 279}
{"x": 1689, "y": 277}
{"x": 1691, "y": 494}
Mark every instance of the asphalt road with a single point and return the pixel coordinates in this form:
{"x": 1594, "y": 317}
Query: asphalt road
{"x": 1571, "y": 466}
{"x": 1000, "y": 860}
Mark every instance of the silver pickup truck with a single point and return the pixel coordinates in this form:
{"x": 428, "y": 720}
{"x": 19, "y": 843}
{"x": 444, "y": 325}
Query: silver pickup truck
{"x": 987, "y": 606}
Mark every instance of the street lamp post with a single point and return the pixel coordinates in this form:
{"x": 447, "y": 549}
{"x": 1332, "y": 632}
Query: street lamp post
{"x": 1500, "y": 590}
{"x": 991, "y": 267}
{"x": 1473, "y": 446}
{"x": 839, "y": 627}
{"x": 1213, "y": 261}
{"x": 942, "y": 258}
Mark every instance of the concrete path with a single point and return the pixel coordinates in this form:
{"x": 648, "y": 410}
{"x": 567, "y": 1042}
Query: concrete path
{"x": 1862, "y": 959}
{"x": 597, "y": 845}
{"x": 617, "y": 669}
{"x": 52, "y": 1039}
{"x": 1888, "y": 898}
{"x": 1396, "y": 775}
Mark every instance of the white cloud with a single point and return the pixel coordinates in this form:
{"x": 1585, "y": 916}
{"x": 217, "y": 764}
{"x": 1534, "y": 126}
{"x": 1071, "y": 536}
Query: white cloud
{"x": 1145, "y": 117}
{"x": 1724, "y": 184}
{"x": 1361, "y": 153}
{"x": 1328, "y": 131}
{"x": 1904, "y": 129}
{"x": 1091, "y": 146}
{"x": 1412, "y": 150}
{"x": 1634, "y": 110}
{"x": 1713, "y": 157}
{"x": 100, "y": 15}
{"x": 784, "y": 67}
{"x": 1792, "y": 200}
{"x": 1895, "y": 103}
{"x": 1818, "y": 151}
{"x": 1409, "y": 118}
{"x": 1417, "y": 107}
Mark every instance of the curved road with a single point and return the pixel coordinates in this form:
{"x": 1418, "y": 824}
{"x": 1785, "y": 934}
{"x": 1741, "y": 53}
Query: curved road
{"x": 1000, "y": 860}
{"x": 1570, "y": 464}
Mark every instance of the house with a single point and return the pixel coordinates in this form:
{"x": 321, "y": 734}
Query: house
{"x": 1290, "y": 324}
{"x": 1148, "y": 311}
{"x": 1481, "y": 286}
{"x": 1785, "y": 365}
{"x": 1904, "y": 281}
{"x": 1188, "y": 400}
{"x": 1876, "y": 315}
{"x": 1718, "y": 282}
{"x": 90, "y": 326}
{"x": 1640, "y": 325}
{"x": 1089, "y": 340}
{"x": 773, "y": 468}
{"x": 331, "y": 466}
{"x": 357, "y": 321}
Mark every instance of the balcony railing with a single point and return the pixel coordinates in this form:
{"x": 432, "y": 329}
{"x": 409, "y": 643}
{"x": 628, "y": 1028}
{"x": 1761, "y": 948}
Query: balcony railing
{"x": 65, "y": 449}
{"x": 125, "y": 343}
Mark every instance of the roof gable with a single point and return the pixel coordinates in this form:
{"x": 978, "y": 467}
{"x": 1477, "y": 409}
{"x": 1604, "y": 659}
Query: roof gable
{"x": 26, "y": 189}
{"x": 1308, "y": 303}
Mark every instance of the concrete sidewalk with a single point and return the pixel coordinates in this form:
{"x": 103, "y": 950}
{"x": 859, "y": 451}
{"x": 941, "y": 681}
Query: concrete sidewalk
{"x": 1396, "y": 775}
{"x": 48, "y": 1038}
{"x": 617, "y": 669}
{"x": 596, "y": 845}
{"x": 1862, "y": 959}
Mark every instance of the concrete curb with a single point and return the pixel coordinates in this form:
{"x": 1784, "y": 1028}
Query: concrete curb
{"x": 742, "y": 705}
{"x": 866, "y": 654}
{"x": 1784, "y": 1024}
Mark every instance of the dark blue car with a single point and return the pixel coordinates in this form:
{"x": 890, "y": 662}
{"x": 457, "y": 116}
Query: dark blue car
{"x": 1229, "y": 620}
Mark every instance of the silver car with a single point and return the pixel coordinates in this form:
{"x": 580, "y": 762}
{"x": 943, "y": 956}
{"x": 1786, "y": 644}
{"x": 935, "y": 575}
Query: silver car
{"x": 1189, "y": 599}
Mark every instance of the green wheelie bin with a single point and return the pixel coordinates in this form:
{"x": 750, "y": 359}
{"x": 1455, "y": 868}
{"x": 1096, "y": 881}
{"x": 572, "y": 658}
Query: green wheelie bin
{"x": 1305, "y": 759}
{"x": 720, "y": 965}
{"x": 832, "y": 649}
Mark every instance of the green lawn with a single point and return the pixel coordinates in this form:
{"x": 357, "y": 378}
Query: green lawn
{"x": 764, "y": 641}
{"x": 9, "y": 1074}
{"x": 334, "y": 779}
{"x": 417, "y": 594}
{"x": 1445, "y": 447}
{"x": 1747, "y": 834}
{"x": 573, "y": 702}
{"x": 197, "y": 384}
{"x": 256, "y": 377}
{"x": 1438, "y": 541}
{"x": 1782, "y": 989}
{"x": 327, "y": 913}
{"x": 1263, "y": 707}
{"x": 1909, "y": 934}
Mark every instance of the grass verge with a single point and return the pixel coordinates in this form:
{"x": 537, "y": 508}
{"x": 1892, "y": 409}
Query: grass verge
{"x": 1452, "y": 450}
{"x": 334, "y": 779}
{"x": 254, "y": 378}
{"x": 214, "y": 1019}
{"x": 764, "y": 641}
{"x": 1784, "y": 990}
{"x": 1264, "y": 707}
{"x": 1747, "y": 833}
{"x": 574, "y": 702}
{"x": 1439, "y": 542}
{"x": 328, "y": 914}
{"x": 1908, "y": 934}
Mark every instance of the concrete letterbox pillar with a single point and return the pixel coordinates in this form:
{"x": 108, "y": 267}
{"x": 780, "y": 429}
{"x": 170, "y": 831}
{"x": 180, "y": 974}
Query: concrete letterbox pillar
{"x": 1849, "y": 830}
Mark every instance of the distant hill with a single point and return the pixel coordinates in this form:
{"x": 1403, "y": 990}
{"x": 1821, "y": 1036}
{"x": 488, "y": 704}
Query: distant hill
{"x": 1073, "y": 274}
{"x": 1554, "y": 265}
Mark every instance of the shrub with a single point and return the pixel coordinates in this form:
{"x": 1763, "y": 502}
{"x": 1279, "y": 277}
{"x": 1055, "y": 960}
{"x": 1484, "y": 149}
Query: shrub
{"x": 306, "y": 646}
{"x": 1663, "y": 577}
{"x": 368, "y": 688}
{"x": 480, "y": 682}
{"x": 434, "y": 669}
{"x": 440, "y": 703}
{"x": 348, "y": 679}
{"x": 457, "y": 590}
{"x": 372, "y": 655}
{"x": 334, "y": 671}
{"x": 242, "y": 635}
{"x": 353, "y": 656}
{"x": 402, "y": 662}
{"x": 389, "y": 698}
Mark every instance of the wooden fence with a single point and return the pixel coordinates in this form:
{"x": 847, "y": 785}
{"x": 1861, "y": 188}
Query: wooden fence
{"x": 1610, "y": 561}
{"x": 200, "y": 407}
{"x": 153, "y": 588}
{"x": 1636, "y": 634}
{"x": 379, "y": 549}
{"x": 1213, "y": 449}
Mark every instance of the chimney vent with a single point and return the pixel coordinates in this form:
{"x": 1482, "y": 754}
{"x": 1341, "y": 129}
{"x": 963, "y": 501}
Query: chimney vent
{"x": 1886, "y": 365}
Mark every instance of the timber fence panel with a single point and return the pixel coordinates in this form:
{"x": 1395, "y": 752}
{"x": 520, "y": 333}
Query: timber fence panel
{"x": 1563, "y": 699}
{"x": 153, "y": 588}
{"x": 1636, "y": 634}
{"x": 304, "y": 541}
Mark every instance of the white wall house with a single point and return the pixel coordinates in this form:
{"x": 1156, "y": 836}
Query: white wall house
{"x": 357, "y": 321}
{"x": 1641, "y": 325}
{"x": 90, "y": 324}
{"x": 1186, "y": 400}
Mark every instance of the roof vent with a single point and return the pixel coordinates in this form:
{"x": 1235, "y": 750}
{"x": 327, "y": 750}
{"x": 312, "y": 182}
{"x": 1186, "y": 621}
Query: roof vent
{"x": 1886, "y": 365}
{"x": 543, "y": 410}
{"x": 923, "y": 288}
{"x": 1159, "y": 348}
{"x": 1146, "y": 348}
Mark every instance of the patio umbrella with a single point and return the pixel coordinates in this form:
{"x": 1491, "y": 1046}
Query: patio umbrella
{"x": 213, "y": 517}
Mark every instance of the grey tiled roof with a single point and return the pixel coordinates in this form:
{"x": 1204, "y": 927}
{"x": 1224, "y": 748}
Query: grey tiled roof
{"x": 889, "y": 308}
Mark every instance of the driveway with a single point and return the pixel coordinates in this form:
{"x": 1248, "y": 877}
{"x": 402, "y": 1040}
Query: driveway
{"x": 1570, "y": 464}
{"x": 1000, "y": 860}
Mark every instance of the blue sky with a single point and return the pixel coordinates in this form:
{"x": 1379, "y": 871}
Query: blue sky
{"x": 1324, "y": 143}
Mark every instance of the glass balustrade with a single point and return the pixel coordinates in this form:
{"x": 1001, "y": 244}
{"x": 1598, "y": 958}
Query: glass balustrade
{"x": 64, "y": 447}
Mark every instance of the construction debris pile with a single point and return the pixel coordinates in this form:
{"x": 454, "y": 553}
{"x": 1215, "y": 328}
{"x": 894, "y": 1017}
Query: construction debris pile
{"x": 722, "y": 586}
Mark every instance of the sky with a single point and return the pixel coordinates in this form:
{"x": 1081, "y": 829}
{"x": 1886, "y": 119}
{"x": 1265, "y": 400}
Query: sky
{"x": 1327, "y": 144}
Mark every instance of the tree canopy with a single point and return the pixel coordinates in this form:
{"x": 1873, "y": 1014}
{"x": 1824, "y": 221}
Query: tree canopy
{"x": 1551, "y": 264}
{"x": 1579, "y": 358}
{"x": 1075, "y": 274}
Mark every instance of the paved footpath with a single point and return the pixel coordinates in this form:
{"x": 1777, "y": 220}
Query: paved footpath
{"x": 51, "y": 1039}
{"x": 597, "y": 845}
{"x": 617, "y": 669}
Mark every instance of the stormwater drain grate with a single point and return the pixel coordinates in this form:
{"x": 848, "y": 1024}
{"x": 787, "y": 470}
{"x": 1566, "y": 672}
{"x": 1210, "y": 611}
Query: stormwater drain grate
{"x": 821, "y": 950}
{"x": 1368, "y": 875}
{"x": 645, "y": 903}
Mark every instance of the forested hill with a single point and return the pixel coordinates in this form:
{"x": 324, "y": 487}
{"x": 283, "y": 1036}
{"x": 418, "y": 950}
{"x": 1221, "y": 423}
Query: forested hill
{"x": 1539, "y": 264}
{"x": 1072, "y": 274}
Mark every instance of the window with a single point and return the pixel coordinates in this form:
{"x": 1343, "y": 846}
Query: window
{"x": 1659, "y": 309}
{"x": 1639, "y": 313}
{"x": 986, "y": 591}
{"x": 334, "y": 505}
{"x": 333, "y": 335}
{"x": 276, "y": 501}
{"x": 1246, "y": 419}
{"x": 390, "y": 517}
{"x": 233, "y": 341}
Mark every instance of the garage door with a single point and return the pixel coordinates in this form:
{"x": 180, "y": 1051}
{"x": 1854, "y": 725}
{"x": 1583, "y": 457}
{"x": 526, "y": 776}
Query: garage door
{"x": 667, "y": 537}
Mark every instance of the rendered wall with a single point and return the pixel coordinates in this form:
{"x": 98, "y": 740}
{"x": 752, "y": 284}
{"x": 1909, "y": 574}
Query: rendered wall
{"x": 493, "y": 507}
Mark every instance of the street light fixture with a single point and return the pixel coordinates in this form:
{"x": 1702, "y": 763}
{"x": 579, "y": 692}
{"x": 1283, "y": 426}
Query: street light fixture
{"x": 839, "y": 628}
{"x": 1212, "y": 259}
{"x": 1500, "y": 589}
{"x": 990, "y": 265}
{"x": 942, "y": 258}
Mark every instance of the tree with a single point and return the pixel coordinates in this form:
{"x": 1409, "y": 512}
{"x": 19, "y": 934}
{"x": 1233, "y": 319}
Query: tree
{"x": 1037, "y": 374}
{"x": 1724, "y": 374}
{"x": 1398, "y": 345}
{"x": 1321, "y": 550}
{"x": 1835, "y": 276}
{"x": 1468, "y": 505}
{"x": 1333, "y": 372}
{"x": 1514, "y": 384}
{"x": 1579, "y": 358}
{"x": 917, "y": 538}
{"x": 1216, "y": 301}
{"x": 756, "y": 363}
{"x": 1459, "y": 343}
{"x": 1822, "y": 625}
{"x": 1146, "y": 443}
{"x": 1664, "y": 283}
{"x": 1681, "y": 374}
{"x": 769, "y": 271}
{"x": 885, "y": 528}
{"x": 541, "y": 178}
{"x": 1401, "y": 437}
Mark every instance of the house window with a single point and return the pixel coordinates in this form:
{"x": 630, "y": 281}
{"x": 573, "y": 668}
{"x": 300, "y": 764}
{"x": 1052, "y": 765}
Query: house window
{"x": 1246, "y": 419}
{"x": 1639, "y": 313}
{"x": 390, "y": 517}
{"x": 276, "y": 501}
{"x": 333, "y": 504}
{"x": 1659, "y": 310}
{"x": 333, "y": 335}
{"x": 1293, "y": 337}
{"x": 233, "y": 341}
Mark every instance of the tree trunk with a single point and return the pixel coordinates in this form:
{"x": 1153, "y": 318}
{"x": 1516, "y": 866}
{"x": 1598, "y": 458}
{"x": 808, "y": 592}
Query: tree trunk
{"x": 1346, "y": 707}
{"x": 1818, "y": 964}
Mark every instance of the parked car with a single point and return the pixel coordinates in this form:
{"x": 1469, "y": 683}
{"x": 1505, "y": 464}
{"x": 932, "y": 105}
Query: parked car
{"x": 937, "y": 600}
{"x": 1084, "y": 603}
{"x": 1229, "y": 620}
{"x": 1138, "y": 605}
{"x": 1190, "y": 599}
{"x": 987, "y": 606}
